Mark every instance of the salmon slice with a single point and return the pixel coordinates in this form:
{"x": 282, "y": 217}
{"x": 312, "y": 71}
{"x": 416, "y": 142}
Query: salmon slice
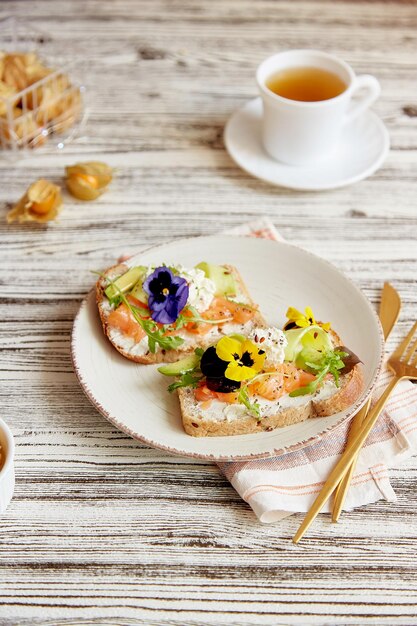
{"x": 122, "y": 319}
{"x": 276, "y": 384}
{"x": 270, "y": 387}
{"x": 221, "y": 309}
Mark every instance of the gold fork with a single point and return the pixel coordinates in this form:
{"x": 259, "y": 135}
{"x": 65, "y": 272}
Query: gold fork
{"x": 389, "y": 310}
{"x": 403, "y": 362}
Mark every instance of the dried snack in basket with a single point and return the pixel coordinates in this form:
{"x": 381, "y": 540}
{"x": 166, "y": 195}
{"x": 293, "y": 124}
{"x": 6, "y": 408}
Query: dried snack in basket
{"x": 41, "y": 203}
{"x": 2, "y": 60}
{"x": 48, "y": 104}
{"x": 87, "y": 181}
{"x": 48, "y": 97}
{"x": 14, "y": 72}
{"x": 5, "y": 92}
{"x": 68, "y": 111}
{"x": 23, "y": 129}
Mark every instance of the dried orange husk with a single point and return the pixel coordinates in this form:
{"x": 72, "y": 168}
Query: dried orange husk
{"x": 29, "y": 58}
{"x": 14, "y": 72}
{"x": 6, "y": 92}
{"x": 2, "y": 60}
{"x": 25, "y": 126}
{"x": 47, "y": 99}
{"x": 21, "y": 127}
{"x": 101, "y": 171}
{"x": 55, "y": 103}
{"x": 43, "y": 196}
{"x": 82, "y": 189}
{"x": 34, "y": 68}
{"x": 23, "y": 130}
{"x": 41, "y": 203}
{"x": 38, "y": 72}
{"x": 68, "y": 111}
{"x": 87, "y": 181}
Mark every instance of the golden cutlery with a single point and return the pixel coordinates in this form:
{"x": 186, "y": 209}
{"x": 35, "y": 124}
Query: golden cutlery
{"x": 389, "y": 310}
{"x": 403, "y": 362}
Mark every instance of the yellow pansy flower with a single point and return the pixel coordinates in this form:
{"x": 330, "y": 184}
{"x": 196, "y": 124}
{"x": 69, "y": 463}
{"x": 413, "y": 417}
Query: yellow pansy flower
{"x": 302, "y": 320}
{"x": 245, "y": 358}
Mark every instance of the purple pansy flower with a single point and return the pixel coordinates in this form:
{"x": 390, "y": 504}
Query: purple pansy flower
{"x": 167, "y": 293}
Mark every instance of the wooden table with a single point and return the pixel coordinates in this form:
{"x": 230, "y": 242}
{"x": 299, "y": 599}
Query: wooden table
{"x": 101, "y": 529}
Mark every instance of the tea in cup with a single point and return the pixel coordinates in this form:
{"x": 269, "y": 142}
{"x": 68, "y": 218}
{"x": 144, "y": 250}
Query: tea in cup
{"x": 307, "y": 101}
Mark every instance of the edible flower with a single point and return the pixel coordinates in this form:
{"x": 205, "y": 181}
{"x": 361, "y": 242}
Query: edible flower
{"x": 167, "y": 293}
{"x": 302, "y": 320}
{"x": 244, "y": 358}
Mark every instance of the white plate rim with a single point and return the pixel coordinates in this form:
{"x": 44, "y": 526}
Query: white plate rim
{"x": 302, "y": 187}
{"x": 235, "y": 457}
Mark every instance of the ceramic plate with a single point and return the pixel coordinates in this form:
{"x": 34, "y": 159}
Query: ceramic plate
{"x": 134, "y": 398}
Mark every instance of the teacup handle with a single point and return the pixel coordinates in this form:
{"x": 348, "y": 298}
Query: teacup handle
{"x": 372, "y": 90}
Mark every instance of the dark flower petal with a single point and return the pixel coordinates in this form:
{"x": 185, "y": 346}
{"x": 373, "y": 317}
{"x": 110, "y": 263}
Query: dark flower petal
{"x": 155, "y": 290}
{"x": 161, "y": 278}
{"x": 222, "y": 385}
{"x": 156, "y": 305}
{"x": 182, "y": 294}
{"x": 211, "y": 365}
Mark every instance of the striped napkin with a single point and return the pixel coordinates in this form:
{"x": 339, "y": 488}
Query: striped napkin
{"x": 279, "y": 486}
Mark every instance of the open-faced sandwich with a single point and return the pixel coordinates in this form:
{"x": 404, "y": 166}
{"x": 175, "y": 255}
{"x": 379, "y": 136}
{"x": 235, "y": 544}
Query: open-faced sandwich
{"x": 160, "y": 313}
{"x": 266, "y": 378}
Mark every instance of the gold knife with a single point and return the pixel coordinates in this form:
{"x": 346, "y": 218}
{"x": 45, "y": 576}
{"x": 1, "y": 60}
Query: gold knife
{"x": 389, "y": 310}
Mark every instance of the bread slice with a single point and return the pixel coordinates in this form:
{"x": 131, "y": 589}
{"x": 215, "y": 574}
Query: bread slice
{"x": 127, "y": 347}
{"x": 197, "y": 424}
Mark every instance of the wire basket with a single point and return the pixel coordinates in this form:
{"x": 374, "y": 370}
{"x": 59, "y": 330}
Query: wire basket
{"x": 38, "y": 104}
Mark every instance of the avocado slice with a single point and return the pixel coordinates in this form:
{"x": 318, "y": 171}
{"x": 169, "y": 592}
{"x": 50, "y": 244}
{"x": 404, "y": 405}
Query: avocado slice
{"x": 180, "y": 367}
{"x": 225, "y": 281}
{"x": 125, "y": 282}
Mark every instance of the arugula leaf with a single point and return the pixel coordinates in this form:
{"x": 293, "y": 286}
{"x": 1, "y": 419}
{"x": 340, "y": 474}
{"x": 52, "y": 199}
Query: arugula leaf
{"x": 330, "y": 363}
{"x": 244, "y": 304}
{"x": 243, "y": 398}
{"x": 199, "y": 352}
{"x": 189, "y": 379}
{"x": 155, "y": 335}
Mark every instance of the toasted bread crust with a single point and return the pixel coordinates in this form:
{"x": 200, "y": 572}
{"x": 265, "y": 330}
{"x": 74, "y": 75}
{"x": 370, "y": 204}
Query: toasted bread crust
{"x": 350, "y": 390}
{"x": 198, "y": 426}
{"x": 162, "y": 356}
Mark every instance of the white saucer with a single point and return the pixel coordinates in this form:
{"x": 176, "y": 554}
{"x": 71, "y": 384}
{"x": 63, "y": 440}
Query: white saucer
{"x": 363, "y": 147}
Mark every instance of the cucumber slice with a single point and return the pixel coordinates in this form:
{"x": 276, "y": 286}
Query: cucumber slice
{"x": 225, "y": 281}
{"x": 125, "y": 282}
{"x": 139, "y": 292}
{"x": 312, "y": 337}
{"x": 180, "y": 367}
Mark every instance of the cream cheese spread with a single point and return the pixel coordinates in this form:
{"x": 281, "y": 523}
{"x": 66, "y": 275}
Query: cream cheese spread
{"x": 272, "y": 341}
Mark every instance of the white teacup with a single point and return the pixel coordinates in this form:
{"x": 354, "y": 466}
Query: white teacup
{"x": 6, "y": 466}
{"x": 302, "y": 133}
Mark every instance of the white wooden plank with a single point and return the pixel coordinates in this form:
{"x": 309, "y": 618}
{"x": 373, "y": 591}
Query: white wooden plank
{"x": 102, "y": 529}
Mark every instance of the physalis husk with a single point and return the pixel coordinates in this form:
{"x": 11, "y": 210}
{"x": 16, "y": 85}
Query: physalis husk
{"x": 41, "y": 203}
{"x": 87, "y": 181}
